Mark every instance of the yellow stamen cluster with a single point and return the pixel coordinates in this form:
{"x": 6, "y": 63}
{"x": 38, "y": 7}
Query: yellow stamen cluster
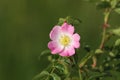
{"x": 65, "y": 40}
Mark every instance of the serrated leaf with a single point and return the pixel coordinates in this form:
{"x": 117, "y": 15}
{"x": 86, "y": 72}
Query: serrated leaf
{"x": 59, "y": 67}
{"x": 62, "y": 68}
{"x": 55, "y": 76}
{"x": 42, "y": 75}
{"x": 71, "y": 20}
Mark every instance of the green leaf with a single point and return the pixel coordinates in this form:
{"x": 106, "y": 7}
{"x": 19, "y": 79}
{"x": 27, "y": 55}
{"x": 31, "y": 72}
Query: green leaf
{"x": 113, "y": 3}
{"x": 117, "y": 42}
{"x": 62, "y": 68}
{"x": 86, "y": 58}
{"x": 112, "y": 54}
{"x": 45, "y": 52}
{"x": 53, "y": 58}
{"x": 117, "y": 10}
{"x": 98, "y": 51}
{"x": 71, "y": 20}
{"x": 118, "y": 4}
{"x": 103, "y": 5}
{"x": 61, "y": 21}
{"x": 115, "y": 31}
{"x": 43, "y": 75}
{"x": 115, "y": 75}
{"x": 117, "y": 7}
{"x": 94, "y": 75}
{"x": 55, "y": 76}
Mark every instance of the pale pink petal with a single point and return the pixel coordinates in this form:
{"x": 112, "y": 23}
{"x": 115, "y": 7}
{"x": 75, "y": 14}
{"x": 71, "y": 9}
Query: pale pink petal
{"x": 76, "y": 44}
{"x": 55, "y": 32}
{"x": 68, "y": 51}
{"x": 55, "y": 47}
{"x": 76, "y": 39}
{"x": 67, "y": 28}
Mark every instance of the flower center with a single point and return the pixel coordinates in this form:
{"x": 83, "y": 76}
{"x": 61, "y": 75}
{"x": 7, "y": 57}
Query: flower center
{"x": 65, "y": 40}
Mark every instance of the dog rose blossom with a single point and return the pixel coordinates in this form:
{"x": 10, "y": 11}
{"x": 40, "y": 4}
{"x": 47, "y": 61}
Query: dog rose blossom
{"x": 64, "y": 40}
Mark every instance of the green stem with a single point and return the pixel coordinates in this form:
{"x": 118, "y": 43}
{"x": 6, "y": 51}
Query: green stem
{"x": 103, "y": 38}
{"x": 105, "y": 25}
{"x": 77, "y": 66}
{"x": 53, "y": 68}
{"x": 80, "y": 75}
{"x": 86, "y": 58}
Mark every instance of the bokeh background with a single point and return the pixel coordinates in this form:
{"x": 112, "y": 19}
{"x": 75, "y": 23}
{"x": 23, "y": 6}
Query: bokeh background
{"x": 25, "y": 27}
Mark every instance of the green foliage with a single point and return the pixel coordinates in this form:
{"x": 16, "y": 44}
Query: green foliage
{"x": 113, "y": 3}
{"x": 66, "y": 68}
{"x": 117, "y": 10}
{"x": 101, "y": 63}
{"x": 45, "y": 52}
{"x": 109, "y": 4}
{"x": 103, "y": 5}
{"x": 42, "y": 75}
{"x": 55, "y": 76}
{"x": 98, "y": 51}
{"x": 70, "y": 20}
{"x": 115, "y": 31}
{"x": 117, "y": 42}
{"x": 116, "y": 5}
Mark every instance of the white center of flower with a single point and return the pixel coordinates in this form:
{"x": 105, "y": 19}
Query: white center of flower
{"x": 65, "y": 40}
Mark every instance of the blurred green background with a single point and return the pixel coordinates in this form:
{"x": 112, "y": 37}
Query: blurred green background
{"x": 25, "y": 27}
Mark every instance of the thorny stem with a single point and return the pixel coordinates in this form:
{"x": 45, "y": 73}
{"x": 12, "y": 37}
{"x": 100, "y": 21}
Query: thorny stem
{"x": 105, "y": 26}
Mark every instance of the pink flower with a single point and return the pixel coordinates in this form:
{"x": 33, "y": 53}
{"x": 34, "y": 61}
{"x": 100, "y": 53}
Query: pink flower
{"x": 64, "y": 41}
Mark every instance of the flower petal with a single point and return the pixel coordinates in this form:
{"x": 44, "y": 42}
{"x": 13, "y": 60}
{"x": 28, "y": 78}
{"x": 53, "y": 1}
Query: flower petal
{"x": 76, "y": 44}
{"x": 76, "y": 37}
{"x": 67, "y": 28}
{"x": 55, "y": 32}
{"x": 68, "y": 51}
{"x": 55, "y": 47}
